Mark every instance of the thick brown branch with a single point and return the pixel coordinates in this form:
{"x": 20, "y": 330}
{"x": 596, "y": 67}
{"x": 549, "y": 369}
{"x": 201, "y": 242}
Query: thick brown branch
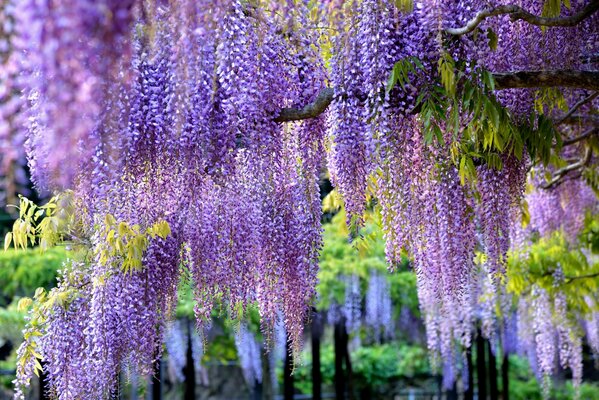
{"x": 559, "y": 78}
{"x": 577, "y": 106}
{"x": 312, "y": 110}
{"x": 560, "y": 173}
{"x": 510, "y": 80}
{"x": 581, "y": 137}
{"x": 578, "y": 119}
{"x": 518, "y": 13}
{"x": 570, "y": 279}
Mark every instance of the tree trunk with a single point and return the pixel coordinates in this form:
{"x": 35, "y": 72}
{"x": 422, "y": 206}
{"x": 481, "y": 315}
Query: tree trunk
{"x": 189, "y": 372}
{"x": 134, "y": 386}
{"x": 43, "y": 381}
{"x": 258, "y": 390}
{"x": 469, "y": 391}
{"x": 481, "y": 373}
{"x": 287, "y": 373}
{"x": 157, "y": 382}
{"x": 493, "y": 391}
{"x": 267, "y": 376}
{"x": 316, "y": 373}
{"x": 339, "y": 358}
{"x": 348, "y": 368}
{"x": 452, "y": 394}
{"x": 505, "y": 379}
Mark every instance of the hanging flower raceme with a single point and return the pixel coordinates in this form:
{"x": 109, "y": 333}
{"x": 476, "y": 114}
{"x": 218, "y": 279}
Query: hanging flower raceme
{"x": 71, "y": 48}
{"x": 13, "y": 175}
{"x": 249, "y": 352}
{"x": 379, "y": 310}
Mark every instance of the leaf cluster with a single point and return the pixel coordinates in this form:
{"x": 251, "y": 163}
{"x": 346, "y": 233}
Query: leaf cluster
{"x": 128, "y": 243}
{"x": 539, "y": 263}
{"x": 45, "y": 225}
{"x": 22, "y": 271}
{"x": 458, "y": 102}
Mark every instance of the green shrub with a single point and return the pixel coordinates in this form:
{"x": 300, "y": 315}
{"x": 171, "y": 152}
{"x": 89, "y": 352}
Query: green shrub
{"x": 23, "y": 271}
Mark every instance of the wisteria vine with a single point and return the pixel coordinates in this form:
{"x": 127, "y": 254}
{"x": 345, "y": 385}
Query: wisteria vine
{"x": 161, "y": 119}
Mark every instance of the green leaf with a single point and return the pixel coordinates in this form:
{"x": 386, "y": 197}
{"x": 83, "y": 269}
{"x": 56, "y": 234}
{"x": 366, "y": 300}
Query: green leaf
{"x": 7, "y": 240}
{"x": 405, "y": 6}
{"x": 392, "y": 77}
{"x": 489, "y": 80}
{"x": 24, "y": 304}
{"x": 492, "y": 36}
{"x": 462, "y": 171}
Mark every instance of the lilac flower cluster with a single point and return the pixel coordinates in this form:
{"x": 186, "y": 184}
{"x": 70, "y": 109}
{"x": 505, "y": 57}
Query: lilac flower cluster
{"x": 425, "y": 210}
{"x": 70, "y": 48}
{"x": 592, "y": 329}
{"x": 249, "y": 352}
{"x": 563, "y": 207}
{"x": 173, "y": 119}
{"x": 497, "y": 217}
{"x": 379, "y": 311}
{"x": 13, "y": 177}
{"x": 175, "y": 340}
{"x": 547, "y": 334}
{"x": 190, "y": 141}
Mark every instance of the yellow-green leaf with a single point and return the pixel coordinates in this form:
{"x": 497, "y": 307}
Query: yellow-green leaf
{"x": 7, "y": 240}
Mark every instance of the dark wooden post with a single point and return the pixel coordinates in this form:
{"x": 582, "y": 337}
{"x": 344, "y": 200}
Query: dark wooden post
{"x": 316, "y": 333}
{"x": 189, "y": 371}
{"x": 469, "y": 392}
{"x": 481, "y": 367}
{"x": 493, "y": 391}
{"x": 505, "y": 379}
{"x": 288, "y": 373}
{"x": 339, "y": 358}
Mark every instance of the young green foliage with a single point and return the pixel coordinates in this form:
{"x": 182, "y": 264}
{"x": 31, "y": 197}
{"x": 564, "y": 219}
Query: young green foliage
{"x": 127, "y": 243}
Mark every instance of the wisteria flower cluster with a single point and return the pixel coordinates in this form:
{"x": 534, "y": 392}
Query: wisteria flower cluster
{"x": 457, "y": 234}
{"x": 165, "y": 112}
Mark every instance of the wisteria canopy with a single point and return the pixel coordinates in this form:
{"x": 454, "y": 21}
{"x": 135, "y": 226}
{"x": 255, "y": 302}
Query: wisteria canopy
{"x": 185, "y": 139}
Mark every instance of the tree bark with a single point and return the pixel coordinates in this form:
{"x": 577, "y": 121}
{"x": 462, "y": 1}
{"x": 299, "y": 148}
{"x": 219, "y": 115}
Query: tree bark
{"x": 505, "y": 379}
{"x": 339, "y": 358}
{"x": 558, "y": 78}
{"x": 452, "y": 394}
{"x": 157, "y": 382}
{"x": 518, "y": 13}
{"x": 189, "y": 372}
{"x": 469, "y": 392}
{"x": 316, "y": 332}
{"x": 481, "y": 373}
{"x": 288, "y": 373}
{"x": 503, "y": 80}
{"x": 43, "y": 381}
{"x": 267, "y": 374}
{"x": 311, "y": 110}
{"x": 257, "y": 392}
{"x": 348, "y": 367}
{"x": 493, "y": 391}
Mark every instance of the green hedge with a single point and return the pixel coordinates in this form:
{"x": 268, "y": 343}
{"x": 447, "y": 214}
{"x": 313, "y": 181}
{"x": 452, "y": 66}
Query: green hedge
{"x": 23, "y": 271}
